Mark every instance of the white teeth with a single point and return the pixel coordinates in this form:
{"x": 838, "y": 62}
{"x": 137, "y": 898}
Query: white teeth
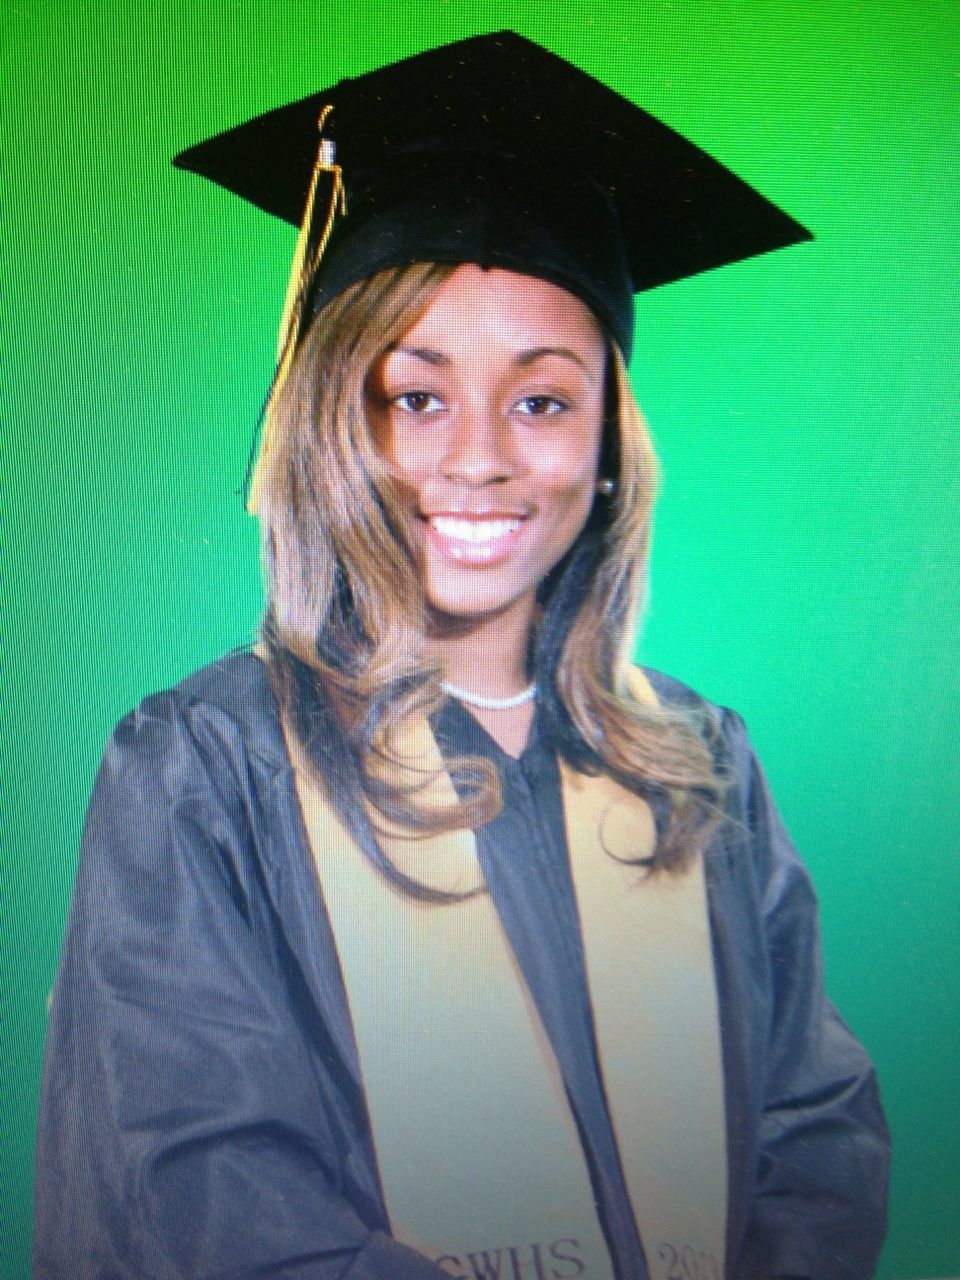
{"x": 472, "y": 530}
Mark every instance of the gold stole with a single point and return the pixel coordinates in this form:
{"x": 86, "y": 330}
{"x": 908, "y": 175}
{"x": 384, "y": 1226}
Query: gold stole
{"x": 479, "y": 1159}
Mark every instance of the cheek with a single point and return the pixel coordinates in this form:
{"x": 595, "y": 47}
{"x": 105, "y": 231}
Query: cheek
{"x": 411, "y": 457}
{"x": 378, "y": 426}
{"x": 573, "y": 475}
{"x": 574, "y": 489}
{"x": 407, "y": 457}
{"x": 402, "y": 450}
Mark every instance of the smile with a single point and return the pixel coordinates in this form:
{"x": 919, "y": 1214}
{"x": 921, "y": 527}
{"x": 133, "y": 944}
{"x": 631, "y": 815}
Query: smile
{"x": 474, "y": 540}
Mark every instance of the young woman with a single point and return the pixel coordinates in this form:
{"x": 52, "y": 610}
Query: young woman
{"x": 431, "y": 938}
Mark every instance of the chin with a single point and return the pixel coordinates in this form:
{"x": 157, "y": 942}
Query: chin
{"x": 464, "y": 608}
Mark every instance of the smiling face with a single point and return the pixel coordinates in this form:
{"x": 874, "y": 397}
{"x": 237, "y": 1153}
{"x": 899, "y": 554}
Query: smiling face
{"x": 490, "y": 413}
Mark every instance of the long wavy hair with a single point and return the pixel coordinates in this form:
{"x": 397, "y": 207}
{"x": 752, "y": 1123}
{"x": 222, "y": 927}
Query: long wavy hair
{"x": 346, "y": 611}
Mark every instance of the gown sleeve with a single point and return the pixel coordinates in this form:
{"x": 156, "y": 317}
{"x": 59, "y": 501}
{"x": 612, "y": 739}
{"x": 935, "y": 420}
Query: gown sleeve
{"x": 817, "y": 1210}
{"x": 183, "y": 1131}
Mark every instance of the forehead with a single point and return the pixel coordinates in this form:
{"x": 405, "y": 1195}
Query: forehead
{"x": 506, "y": 307}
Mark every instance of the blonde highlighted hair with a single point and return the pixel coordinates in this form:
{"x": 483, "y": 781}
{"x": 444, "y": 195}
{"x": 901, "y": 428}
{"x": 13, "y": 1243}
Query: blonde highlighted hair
{"x": 346, "y": 612}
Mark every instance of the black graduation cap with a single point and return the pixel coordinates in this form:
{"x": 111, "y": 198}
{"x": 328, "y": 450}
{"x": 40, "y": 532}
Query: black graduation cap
{"x": 493, "y": 150}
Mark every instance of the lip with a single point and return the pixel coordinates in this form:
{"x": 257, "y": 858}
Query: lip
{"x": 474, "y": 538}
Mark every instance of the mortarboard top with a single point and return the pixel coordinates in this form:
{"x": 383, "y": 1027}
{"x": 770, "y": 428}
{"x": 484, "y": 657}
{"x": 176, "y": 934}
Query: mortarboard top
{"x": 493, "y": 150}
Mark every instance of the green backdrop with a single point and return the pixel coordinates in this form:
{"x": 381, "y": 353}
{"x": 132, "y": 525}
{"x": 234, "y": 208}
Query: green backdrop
{"x": 805, "y": 405}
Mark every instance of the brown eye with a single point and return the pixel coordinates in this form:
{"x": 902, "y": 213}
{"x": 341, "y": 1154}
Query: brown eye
{"x": 540, "y": 406}
{"x": 417, "y": 402}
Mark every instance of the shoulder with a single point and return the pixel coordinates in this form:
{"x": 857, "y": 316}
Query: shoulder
{"x": 721, "y": 725}
{"x": 673, "y": 692}
{"x": 191, "y": 784}
{"x": 223, "y": 714}
{"x": 237, "y": 690}
{"x": 750, "y": 808}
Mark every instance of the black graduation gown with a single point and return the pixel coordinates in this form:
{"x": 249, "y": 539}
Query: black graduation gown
{"x": 201, "y": 1112}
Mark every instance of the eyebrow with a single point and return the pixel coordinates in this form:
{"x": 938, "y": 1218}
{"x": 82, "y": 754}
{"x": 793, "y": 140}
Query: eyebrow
{"x": 421, "y": 353}
{"x": 522, "y": 359}
{"x": 537, "y": 353}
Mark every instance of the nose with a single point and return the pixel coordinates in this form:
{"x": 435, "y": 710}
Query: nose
{"x": 479, "y": 449}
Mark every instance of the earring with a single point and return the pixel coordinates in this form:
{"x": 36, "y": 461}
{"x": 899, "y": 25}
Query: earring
{"x": 606, "y": 487}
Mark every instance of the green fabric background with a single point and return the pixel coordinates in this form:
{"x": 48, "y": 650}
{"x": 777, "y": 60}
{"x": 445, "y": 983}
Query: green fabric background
{"x": 805, "y": 406}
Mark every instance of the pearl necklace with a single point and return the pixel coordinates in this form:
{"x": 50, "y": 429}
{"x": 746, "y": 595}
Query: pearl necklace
{"x": 491, "y": 704}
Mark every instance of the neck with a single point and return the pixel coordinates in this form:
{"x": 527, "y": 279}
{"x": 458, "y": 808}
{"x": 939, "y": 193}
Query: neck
{"x": 486, "y": 656}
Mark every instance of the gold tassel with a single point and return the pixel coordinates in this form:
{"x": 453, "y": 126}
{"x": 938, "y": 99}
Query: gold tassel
{"x": 306, "y": 259}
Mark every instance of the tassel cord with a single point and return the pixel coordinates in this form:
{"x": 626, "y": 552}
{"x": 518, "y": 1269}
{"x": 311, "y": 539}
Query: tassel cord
{"x": 311, "y": 245}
